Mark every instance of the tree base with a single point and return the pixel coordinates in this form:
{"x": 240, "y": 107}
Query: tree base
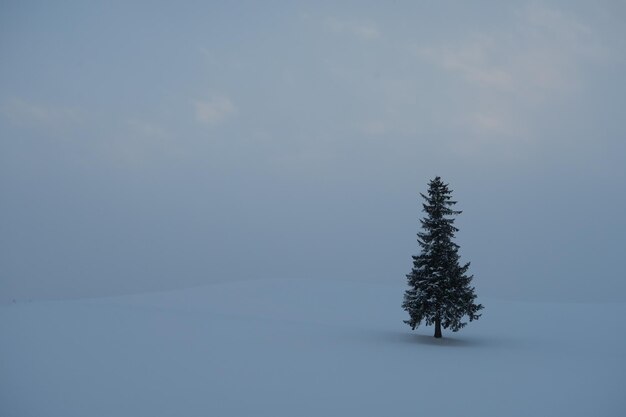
{"x": 437, "y": 329}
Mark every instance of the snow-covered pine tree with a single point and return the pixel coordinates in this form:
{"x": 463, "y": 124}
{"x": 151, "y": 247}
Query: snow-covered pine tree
{"x": 440, "y": 290}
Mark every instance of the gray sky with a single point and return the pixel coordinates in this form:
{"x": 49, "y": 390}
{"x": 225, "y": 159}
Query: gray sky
{"x": 147, "y": 146}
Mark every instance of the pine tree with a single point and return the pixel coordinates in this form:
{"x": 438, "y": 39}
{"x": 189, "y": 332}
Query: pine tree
{"x": 439, "y": 288}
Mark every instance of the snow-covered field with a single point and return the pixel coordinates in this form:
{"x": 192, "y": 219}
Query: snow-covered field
{"x": 306, "y": 348}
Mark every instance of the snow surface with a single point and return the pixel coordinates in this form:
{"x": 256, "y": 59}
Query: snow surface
{"x": 305, "y": 348}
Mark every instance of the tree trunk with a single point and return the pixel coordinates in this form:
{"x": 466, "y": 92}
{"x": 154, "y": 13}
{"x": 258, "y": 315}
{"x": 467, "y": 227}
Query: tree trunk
{"x": 438, "y": 328}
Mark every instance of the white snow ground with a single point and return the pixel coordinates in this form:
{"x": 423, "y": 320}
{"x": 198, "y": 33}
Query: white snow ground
{"x": 305, "y": 348}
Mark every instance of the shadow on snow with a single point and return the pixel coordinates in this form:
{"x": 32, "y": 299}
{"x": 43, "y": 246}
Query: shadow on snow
{"x": 456, "y": 341}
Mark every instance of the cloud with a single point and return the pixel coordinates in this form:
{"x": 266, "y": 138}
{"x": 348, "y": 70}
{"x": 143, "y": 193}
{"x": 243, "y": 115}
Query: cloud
{"x": 27, "y": 114}
{"x": 139, "y": 144}
{"x": 473, "y": 61}
{"x": 361, "y": 29}
{"x": 374, "y": 128}
{"x": 215, "y": 110}
{"x": 498, "y": 122}
{"x": 146, "y": 129}
{"x": 541, "y": 58}
{"x": 563, "y": 26}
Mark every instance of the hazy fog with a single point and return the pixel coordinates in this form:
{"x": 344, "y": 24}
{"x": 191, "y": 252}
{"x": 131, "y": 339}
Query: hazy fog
{"x": 146, "y": 146}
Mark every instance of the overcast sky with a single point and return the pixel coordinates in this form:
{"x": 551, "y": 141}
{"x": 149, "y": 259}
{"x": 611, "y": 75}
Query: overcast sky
{"x": 147, "y": 146}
